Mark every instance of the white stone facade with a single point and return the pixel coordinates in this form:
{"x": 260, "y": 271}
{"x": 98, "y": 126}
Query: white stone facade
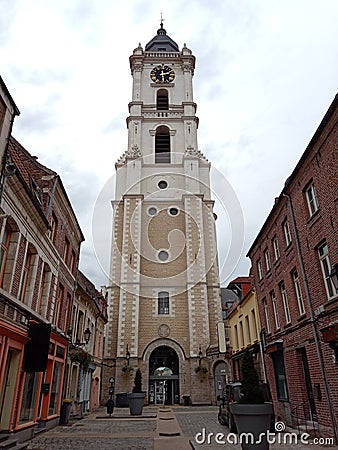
{"x": 164, "y": 296}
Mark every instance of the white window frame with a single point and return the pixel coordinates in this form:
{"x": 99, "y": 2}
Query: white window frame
{"x": 325, "y": 265}
{"x": 312, "y": 199}
{"x": 162, "y": 300}
{"x": 298, "y": 292}
{"x": 267, "y": 318}
{"x": 275, "y": 309}
{"x": 260, "y": 269}
{"x": 287, "y": 233}
{"x": 267, "y": 260}
{"x": 276, "y": 248}
{"x": 284, "y": 296}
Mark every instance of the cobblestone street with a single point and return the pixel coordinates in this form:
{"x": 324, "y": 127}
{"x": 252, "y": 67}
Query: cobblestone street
{"x": 158, "y": 428}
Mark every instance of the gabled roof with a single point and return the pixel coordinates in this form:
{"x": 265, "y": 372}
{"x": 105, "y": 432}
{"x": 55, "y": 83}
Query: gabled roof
{"x": 161, "y": 42}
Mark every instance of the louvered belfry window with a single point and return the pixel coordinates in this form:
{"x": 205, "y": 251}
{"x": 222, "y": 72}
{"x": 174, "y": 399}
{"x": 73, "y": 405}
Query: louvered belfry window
{"x": 162, "y": 145}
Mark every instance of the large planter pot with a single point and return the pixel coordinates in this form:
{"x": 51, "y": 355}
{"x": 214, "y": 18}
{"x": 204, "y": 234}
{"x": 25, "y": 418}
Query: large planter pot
{"x": 252, "y": 419}
{"x": 136, "y": 401}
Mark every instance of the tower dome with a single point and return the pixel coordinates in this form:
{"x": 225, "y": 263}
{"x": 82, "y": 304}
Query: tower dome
{"x": 161, "y": 42}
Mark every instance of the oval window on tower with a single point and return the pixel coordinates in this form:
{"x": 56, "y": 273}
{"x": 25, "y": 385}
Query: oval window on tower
{"x": 163, "y": 255}
{"x": 152, "y": 211}
{"x": 173, "y": 211}
{"x": 162, "y": 184}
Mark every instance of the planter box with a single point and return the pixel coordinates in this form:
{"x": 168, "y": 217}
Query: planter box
{"x": 136, "y": 401}
{"x": 254, "y": 419}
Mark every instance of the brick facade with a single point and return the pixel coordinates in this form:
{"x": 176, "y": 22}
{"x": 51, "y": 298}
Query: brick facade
{"x": 305, "y": 298}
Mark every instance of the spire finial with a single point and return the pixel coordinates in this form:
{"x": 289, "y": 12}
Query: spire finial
{"x": 161, "y": 21}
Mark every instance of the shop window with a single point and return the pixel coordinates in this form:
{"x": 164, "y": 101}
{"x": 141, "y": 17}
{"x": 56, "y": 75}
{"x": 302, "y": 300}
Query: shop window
{"x": 29, "y": 397}
{"x": 55, "y": 389}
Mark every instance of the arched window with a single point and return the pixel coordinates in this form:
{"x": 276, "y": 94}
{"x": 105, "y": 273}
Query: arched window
{"x": 162, "y": 145}
{"x": 162, "y": 101}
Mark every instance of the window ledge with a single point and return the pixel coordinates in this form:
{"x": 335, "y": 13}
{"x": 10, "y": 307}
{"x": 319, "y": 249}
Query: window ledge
{"x": 314, "y": 218}
{"x": 301, "y": 317}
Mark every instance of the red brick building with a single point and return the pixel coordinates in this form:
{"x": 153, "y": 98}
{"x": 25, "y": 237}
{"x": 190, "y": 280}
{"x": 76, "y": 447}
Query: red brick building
{"x": 292, "y": 257}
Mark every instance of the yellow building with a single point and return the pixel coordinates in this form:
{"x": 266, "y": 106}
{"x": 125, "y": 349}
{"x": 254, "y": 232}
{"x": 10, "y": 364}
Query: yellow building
{"x": 244, "y": 330}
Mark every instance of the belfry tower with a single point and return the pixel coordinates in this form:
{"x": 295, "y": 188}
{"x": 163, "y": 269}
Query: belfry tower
{"x": 164, "y": 295}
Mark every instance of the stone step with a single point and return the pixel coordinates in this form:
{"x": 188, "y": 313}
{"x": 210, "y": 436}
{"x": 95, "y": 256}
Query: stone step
{"x": 8, "y": 444}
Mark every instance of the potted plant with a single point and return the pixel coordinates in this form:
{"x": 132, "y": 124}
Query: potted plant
{"x": 252, "y": 414}
{"x": 136, "y": 398}
{"x": 126, "y": 368}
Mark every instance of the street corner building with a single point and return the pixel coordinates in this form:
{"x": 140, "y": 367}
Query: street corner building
{"x": 165, "y": 313}
{"x": 39, "y": 249}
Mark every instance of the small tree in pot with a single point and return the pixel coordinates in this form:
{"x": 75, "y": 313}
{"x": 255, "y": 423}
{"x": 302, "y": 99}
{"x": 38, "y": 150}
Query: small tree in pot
{"x": 136, "y": 398}
{"x": 252, "y": 414}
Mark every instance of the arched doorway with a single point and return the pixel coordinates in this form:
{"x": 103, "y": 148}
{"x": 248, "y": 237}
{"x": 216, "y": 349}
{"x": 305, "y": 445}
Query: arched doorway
{"x": 163, "y": 376}
{"x": 221, "y": 376}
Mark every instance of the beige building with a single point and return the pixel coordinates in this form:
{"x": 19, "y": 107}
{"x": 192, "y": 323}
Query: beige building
{"x": 164, "y": 294}
{"x": 89, "y": 317}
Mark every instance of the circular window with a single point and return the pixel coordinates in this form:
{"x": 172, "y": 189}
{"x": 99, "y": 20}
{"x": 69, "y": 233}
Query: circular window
{"x": 152, "y": 211}
{"x": 162, "y": 184}
{"x": 173, "y": 211}
{"x": 163, "y": 255}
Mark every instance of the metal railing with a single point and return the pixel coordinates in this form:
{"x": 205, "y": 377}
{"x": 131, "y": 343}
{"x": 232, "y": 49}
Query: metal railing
{"x": 303, "y": 420}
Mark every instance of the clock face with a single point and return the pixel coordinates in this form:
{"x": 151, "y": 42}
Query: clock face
{"x": 162, "y": 74}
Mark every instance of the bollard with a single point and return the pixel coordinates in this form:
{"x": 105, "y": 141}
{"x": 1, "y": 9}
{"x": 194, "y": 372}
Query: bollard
{"x": 110, "y": 406}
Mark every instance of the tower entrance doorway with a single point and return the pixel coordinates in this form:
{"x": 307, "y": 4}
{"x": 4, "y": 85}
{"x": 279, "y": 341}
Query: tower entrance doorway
{"x": 164, "y": 376}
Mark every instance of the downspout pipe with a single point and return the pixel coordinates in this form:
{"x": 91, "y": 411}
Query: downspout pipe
{"x": 312, "y": 320}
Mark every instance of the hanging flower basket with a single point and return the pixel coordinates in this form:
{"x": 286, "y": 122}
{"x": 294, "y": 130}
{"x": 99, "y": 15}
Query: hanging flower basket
{"x": 201, "y": 369}
{"x": 82, "y": 357}
{"x": 127, "y": 369}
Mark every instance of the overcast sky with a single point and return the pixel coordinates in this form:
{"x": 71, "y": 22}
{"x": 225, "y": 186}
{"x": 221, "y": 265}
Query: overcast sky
{"x": 266, "y": 72}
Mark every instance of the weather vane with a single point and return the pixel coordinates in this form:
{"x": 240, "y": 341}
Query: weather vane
{"x": 162, "y": 20}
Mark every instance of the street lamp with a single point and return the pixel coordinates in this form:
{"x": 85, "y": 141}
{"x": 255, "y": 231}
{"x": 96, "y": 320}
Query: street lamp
{"x": 334, "y": 276}
{"x": 87, "y": 333}
{"x": 127, "y": 355}
{"x": 200, "y": 356}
